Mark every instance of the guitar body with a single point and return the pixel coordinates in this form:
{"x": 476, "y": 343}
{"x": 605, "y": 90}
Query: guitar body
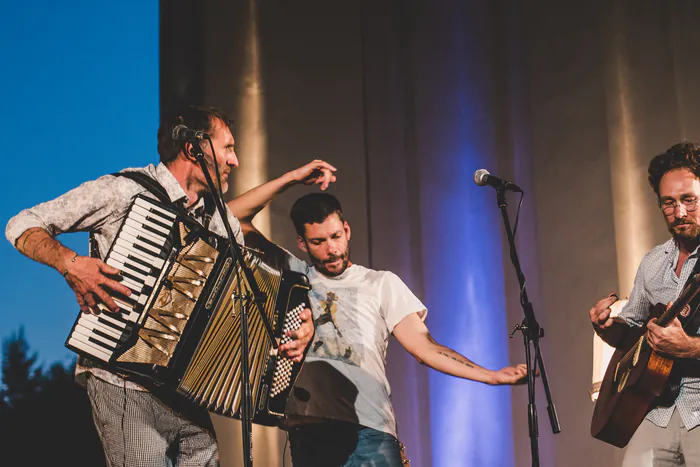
{"x": 636, "y": 375}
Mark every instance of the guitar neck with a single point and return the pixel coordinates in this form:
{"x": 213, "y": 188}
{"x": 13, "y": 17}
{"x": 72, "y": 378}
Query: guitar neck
{"x": 691, "y": 289}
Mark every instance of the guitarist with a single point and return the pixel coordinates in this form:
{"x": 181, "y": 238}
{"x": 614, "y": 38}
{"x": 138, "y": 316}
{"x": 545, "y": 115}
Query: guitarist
{"x": 669, "y": 435}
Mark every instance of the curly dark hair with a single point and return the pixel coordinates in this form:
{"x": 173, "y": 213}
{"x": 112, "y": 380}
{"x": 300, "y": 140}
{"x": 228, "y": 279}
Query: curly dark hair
{"x": 193, "y": 117}
{"x": 314, "y": 208}
{"x": 684, "y": 155}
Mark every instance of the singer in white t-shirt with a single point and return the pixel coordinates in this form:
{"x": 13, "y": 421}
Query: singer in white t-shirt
{"x": 339, "y": 413}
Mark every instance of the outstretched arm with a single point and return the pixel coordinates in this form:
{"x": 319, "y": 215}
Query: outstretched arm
{"x": 413, "y": 334}
{"x": 247, "y": 205}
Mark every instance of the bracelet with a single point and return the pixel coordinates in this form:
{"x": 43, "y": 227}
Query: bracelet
{"x": 65, "y": 273}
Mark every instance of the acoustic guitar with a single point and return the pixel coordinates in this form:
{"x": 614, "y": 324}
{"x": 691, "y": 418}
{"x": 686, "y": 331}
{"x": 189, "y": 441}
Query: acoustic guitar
{"x": 636, "y": 375}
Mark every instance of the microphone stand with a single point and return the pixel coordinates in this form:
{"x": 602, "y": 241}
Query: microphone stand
{"x": 256, "y": 297}
{"x": 531, "y": 336}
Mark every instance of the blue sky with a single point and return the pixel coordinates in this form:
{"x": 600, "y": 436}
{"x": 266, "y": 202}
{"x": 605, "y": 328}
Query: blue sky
{"x": 79, "y": 87}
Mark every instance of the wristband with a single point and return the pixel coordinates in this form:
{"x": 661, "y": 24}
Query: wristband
{"x": 65, "y": 272}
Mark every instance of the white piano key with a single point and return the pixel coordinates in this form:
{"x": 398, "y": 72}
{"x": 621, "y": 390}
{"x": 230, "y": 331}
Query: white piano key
{"x": 126, "y": 268}
{"x": 141, "y": 215}
{"x": 88, "y": 331}
{"x": 131, "y": 316}
{"x": 154, "y": 261}
{"x": 123, "y": 305}
{"x": 137, "y": 225}
{"x": 145, "y": 204}
{"x": 133, "y": 285}
{"x": 90, "y": 349}
{"x": 84, "y": 335}
{"x": 111, "y": 318}
{"x": 145, "y": 270}
{"x": 91, "y": 321}
{"x": 130, "y": 236}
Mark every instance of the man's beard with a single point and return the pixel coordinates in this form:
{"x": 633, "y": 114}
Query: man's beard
{"x": 689, "y": 233}
{"x": 321, "y": 265}
{"x": 223, "y": 174}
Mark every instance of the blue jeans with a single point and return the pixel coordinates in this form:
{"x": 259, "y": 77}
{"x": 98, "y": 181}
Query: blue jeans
{"x": 338, "y": 444}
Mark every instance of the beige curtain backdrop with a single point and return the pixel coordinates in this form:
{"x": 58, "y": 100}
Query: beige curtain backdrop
{"x": 579, "y": 97}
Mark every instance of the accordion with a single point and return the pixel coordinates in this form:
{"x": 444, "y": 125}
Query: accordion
{"x": 180, "y": 327}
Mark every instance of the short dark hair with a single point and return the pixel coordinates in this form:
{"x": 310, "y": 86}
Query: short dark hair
{"x": 193, "y": 117}
{"x": 314, "y": 208}
{"x": 684, "y": 155}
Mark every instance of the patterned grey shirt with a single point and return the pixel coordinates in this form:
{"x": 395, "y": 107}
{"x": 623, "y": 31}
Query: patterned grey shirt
{"x": 99, "y": 206}
{"x": 656, "y": 282}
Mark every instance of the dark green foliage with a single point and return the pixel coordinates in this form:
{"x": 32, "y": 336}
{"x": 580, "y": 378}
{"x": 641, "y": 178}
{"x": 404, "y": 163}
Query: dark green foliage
{"x": 45, "y": 417}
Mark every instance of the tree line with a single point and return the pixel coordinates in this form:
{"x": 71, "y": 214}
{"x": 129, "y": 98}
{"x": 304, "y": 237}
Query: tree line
{"x": 45, "y": 417}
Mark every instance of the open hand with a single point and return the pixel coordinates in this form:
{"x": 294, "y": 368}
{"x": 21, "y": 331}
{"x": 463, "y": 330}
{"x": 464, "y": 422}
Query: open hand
{"x": 316, "y": 172}
{"x": 294, "y": 350}
{"x": 88, "y": 277}
{"x": 510, "y": 375}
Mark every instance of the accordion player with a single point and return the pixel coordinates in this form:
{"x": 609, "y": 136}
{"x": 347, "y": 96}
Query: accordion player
{"x": 180, "y": 328}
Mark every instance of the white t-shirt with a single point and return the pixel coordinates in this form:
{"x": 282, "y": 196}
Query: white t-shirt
{"x": 344, "y": 376}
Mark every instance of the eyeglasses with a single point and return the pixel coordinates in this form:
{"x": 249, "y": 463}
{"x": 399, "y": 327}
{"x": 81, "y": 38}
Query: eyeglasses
{"x": 669, "y": 207}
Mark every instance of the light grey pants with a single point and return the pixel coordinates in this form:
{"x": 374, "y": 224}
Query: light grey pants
{"x": 139, "y": 430}
{"x": 653, "y": 446}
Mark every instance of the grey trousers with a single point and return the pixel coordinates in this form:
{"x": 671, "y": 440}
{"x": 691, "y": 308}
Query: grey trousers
{"x": 653, "y": 446}
{"x": 139, "y": 430}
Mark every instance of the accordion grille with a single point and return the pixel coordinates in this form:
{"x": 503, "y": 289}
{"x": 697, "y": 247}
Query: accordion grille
{"x": 213, "y": 375}
{"x": 166, "y": 318}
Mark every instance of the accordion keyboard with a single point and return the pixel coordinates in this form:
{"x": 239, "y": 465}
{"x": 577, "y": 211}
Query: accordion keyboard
{"x": 136, "y": 253}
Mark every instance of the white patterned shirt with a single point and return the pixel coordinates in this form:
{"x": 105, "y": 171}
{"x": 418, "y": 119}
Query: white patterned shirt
{"x": 656, "y": 282}
{"x": 99, "y": 206}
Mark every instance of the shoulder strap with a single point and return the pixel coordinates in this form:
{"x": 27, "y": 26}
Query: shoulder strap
{"x": 148, "y": 183}
{"x": 690, "y": 318}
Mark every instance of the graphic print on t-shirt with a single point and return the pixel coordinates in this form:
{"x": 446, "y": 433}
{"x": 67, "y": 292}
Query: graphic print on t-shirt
{"x": 337, "y": 333}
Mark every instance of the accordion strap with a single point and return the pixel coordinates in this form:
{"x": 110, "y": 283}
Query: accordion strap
{"x": 152, "y": 186}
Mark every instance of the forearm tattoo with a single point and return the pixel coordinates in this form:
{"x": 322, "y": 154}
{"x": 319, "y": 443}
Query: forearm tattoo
{"x": 26, "y": 237}
{"x": 41, "y": 246}
{"x": 458, "y": 360}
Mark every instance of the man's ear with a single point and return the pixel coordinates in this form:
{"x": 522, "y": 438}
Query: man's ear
{"x": 348, "y": 232}
{"x": 188, "y": 149}
{"x": 301, "y": 243}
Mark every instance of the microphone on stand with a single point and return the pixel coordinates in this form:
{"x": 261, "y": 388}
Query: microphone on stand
{"x": 482, "y": 177}
{"x": 182, "y": 133}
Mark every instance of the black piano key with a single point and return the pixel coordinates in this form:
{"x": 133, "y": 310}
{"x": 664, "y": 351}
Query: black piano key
{"x": 148, "y": 241}
{"x": 159, "y": 214}
{"x": 158, "y": 222}
{"x": 105, "y": 335}
{"x": 121, "y": 317}
{"x": 129, "y": 301}
{"x": 109, "y": 323}
{"x": 133, "y": 267}
{"x": 130, "y": 277}
{"x": 161, "y": 255}
{"x": 101, "y": 344}
{"x": 141, "y": 262}
{"x": 154, "y": 231}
